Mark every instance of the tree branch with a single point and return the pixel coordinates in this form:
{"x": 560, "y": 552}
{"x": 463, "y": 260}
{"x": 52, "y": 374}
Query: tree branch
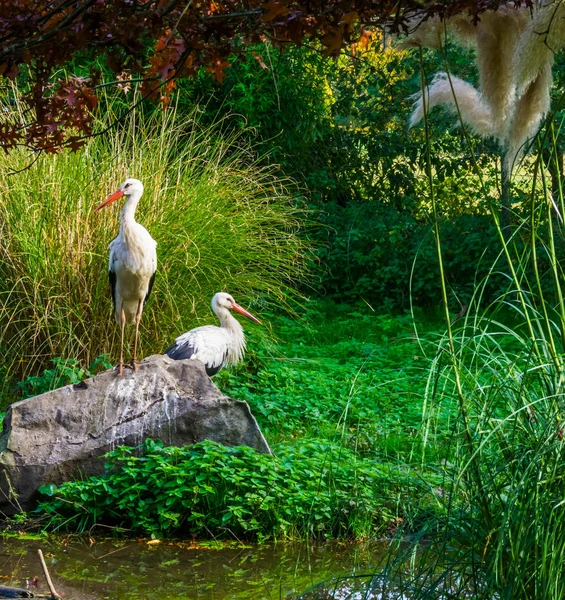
{"x": 26, "y": 44}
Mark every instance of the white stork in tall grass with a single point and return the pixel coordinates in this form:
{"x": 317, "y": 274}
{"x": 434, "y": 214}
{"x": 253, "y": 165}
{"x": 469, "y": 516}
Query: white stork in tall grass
{"x": 215, "y": 346}
{"x": 133, "y": 262}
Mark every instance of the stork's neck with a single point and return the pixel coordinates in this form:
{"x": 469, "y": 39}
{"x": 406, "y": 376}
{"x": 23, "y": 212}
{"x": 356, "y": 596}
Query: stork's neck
{"x": 128, "y": 212}
{"x": 229, "y": 322}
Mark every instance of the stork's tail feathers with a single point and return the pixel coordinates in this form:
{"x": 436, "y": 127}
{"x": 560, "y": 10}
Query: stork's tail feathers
{"x": 457, "y": 96}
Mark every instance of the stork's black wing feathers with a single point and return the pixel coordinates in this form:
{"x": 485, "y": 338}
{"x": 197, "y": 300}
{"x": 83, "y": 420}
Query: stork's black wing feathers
{"x": 178, "y": 351}
{"x": 186, "y": 349}
{"x": 151, "y": 282}
{"x": 112, "y": 278}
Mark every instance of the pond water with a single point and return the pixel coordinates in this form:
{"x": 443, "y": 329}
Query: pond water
{"x": 84, "y": 569}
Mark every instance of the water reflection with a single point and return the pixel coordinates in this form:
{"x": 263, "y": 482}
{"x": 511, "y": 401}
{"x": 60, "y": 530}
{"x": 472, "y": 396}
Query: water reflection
{"x": 172, "y": 571}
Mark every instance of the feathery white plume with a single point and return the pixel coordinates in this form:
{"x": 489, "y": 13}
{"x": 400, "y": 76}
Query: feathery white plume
{"x": 454, "y": 95}
{"x": 543, "y": 37}
{"x": 529, "y": 111}
{"x": 430, "y": 33}
{"x": 515, "y": 53}
{"x": 427, "y": 33}
{"x": 498, "y": 35}
{"x": 463, "y": 29}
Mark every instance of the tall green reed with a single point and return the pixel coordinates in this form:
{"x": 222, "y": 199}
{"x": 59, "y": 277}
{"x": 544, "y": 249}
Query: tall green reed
{"x": 222, "y": 221}
{"x": 500, "y": 528}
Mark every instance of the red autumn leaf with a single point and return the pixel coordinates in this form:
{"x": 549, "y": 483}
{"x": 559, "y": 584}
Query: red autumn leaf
{"x": 333, "y": 41}
{"x": 151, "y": 40}
{"x": 70, "y": 97}
{"x": 90, "y": 99}
{"x": 217, "y": 70}
{"x": 12, "y": 72}
{"x": 365, "y": 38}
{"x": 274, "y": 9}
{"x": 162, "y": 42}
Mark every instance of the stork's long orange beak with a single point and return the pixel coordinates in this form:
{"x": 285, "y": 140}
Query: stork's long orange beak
{"x": 111, "y": 198}
{"x": 243, "y": 312}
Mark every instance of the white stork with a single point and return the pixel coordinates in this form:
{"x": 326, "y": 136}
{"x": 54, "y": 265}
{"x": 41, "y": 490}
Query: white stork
{"x": 212, "y": 345}
{"x": 133, "y": 262}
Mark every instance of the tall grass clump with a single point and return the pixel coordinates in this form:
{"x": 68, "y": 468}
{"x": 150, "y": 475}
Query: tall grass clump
{"x": 500, "y": 532}
{"x": 494, "y": 428}
{"x": 221, "y": 219}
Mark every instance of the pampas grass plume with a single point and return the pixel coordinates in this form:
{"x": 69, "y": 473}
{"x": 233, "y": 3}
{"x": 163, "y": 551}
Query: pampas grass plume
{"x": 543, "y": 37}
{"x": 456, "y": 94}
{"x": 427, "y": 34}
{"x": 498, "y": 35}
{"x": 530, "y": 110}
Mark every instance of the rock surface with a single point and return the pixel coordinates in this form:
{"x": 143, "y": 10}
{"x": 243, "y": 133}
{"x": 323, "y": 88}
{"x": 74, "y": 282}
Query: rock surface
{"x": 64, "y": 434}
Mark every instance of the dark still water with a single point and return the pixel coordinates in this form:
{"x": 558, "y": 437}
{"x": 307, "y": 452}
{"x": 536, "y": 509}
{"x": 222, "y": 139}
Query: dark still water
{"x": 110, "y": 569}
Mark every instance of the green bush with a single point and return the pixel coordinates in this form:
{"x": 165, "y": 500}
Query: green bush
{"x": 389, "y": 258}
{"x": 314, "y": 489}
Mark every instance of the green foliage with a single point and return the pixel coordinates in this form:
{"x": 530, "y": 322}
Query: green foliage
{"x": 388, "y": 257}
{"x": 66, "y": 371}
{"x": 336, "y": 369}
{"x": 282, "y": 96}
{"x": 318, "y": 489}
{"x": 340, "y": 129}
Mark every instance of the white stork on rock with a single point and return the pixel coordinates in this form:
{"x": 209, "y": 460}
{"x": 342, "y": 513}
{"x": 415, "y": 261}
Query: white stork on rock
{"x": 215, "y": 346}
{"x": 133, "y": 262}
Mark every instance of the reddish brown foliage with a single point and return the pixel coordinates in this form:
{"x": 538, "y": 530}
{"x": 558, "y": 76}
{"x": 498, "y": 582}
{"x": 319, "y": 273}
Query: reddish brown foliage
{"x": 38, "y": 36}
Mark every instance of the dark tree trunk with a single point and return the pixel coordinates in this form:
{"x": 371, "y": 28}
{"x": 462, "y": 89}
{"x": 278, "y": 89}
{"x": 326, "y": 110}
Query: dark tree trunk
{"x": 505, "y": 199}
{"x": 555, "y": 168}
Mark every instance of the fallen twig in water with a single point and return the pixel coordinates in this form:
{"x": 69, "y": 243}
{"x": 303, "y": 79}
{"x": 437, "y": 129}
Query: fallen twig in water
{"x": 48, "y": 577}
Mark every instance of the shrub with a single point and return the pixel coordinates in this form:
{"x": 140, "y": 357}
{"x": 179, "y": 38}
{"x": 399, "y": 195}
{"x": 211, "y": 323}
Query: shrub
{"x": 207, "y": 489}
{"x": 388, "y": 257}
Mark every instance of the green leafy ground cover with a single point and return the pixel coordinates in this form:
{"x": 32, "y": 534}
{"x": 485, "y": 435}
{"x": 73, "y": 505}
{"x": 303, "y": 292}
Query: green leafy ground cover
{"x": 340, "y": 401}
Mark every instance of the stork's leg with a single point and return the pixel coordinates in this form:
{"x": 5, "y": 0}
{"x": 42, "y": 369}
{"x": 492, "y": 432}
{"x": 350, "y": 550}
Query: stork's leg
{"x": 123, "y": 320}
{"x": 137, "y": 320}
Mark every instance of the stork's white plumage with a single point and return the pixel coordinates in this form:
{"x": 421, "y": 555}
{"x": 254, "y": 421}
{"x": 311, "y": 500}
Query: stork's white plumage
{"x": 215, "y": 346}
{"x": 133, "y": 262}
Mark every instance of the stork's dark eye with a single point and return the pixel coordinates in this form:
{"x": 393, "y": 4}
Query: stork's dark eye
{"x": 126, "y": 186}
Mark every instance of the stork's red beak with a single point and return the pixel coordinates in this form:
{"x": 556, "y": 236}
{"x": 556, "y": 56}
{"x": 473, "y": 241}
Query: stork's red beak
{"x": 243, "y": 312}
{"x": 111, "y": 198}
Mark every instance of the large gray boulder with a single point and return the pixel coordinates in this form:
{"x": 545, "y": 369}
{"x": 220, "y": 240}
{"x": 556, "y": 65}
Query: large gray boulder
{"x": 64, "y": 434}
